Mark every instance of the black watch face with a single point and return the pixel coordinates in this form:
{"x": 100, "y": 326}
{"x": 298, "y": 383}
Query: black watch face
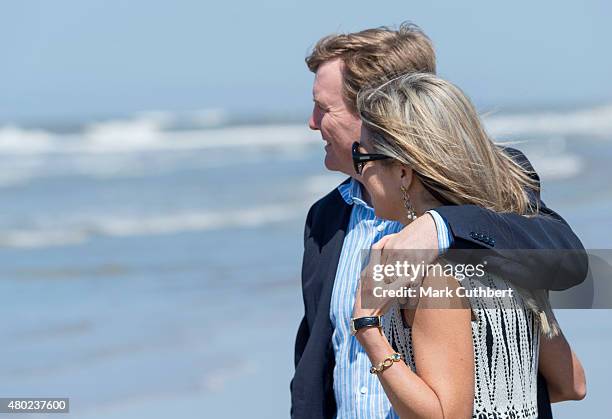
{"x": 366, "y": 322}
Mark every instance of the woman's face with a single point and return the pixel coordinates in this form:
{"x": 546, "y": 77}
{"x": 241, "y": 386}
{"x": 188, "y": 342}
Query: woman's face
{"x": 383, "y": 180}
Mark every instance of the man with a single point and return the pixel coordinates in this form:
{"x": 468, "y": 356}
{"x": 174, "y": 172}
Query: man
{"x": 332, "y": 370}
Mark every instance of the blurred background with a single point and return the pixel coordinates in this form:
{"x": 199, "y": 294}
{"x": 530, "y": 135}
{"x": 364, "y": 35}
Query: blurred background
{"x": 156, "y": 169}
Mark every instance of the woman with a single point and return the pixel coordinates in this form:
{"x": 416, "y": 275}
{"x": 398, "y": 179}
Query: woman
{"x": 422, "y": 145}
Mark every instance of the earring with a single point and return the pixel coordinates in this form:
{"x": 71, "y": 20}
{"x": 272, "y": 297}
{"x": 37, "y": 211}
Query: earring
{"x": 410, "y": 212}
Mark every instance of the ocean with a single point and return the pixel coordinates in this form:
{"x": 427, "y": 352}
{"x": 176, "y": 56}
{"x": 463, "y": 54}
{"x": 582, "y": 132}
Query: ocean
{"x": 149, "y": 265}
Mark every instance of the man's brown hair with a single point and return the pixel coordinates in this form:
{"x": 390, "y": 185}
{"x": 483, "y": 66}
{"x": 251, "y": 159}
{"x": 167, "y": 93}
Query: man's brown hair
{"x": 374, "y": 55}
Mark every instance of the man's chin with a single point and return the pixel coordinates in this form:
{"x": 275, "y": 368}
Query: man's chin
{"x": 333, "y": 166}
{"x": 330, "y": 163}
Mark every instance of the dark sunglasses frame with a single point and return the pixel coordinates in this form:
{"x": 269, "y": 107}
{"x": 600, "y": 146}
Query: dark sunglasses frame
{"x": 360, "y": 159}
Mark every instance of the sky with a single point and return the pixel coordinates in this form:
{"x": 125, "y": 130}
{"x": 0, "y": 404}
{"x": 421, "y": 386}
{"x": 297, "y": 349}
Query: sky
{"x": 65, "y": 60}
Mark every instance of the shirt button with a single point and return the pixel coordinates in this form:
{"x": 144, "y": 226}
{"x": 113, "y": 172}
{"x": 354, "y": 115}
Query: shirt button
{"x": 380, "y": 227}
{"x": 363, "y": 390}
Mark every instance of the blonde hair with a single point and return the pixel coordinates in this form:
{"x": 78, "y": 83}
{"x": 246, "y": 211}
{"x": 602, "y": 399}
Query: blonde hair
{"x": 431, "y": 126}
{"x": 374, "y": 55}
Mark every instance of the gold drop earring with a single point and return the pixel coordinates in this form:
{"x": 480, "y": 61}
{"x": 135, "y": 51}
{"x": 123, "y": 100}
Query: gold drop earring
{"x": 410, "y": 212}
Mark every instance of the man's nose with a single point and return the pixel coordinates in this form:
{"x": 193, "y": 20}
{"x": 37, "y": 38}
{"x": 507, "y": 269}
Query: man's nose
{"x": 315, "y": 119}
{"x": 312, "y": 123}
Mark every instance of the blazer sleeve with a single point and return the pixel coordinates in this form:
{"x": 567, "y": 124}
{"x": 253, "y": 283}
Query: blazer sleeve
{"x": 304, "y": 330}
{"x": 560, "y": 261}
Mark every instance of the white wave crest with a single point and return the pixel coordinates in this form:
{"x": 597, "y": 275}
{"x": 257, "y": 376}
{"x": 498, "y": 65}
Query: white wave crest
{"x": 147, "y": 135}
{"x": 593, "y": 122}
{"x": 76, "y": 231}
{"x": 14, "y": 139}
{"x": 557, "y": 167}
{"x": 150, "y": 131}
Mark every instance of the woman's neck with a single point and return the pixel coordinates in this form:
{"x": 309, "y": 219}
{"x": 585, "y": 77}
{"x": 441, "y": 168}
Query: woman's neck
{"x": 424, "y": 201}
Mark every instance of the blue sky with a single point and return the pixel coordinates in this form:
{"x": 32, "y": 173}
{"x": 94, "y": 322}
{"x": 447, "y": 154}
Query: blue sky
{"x": 66, "y": 60}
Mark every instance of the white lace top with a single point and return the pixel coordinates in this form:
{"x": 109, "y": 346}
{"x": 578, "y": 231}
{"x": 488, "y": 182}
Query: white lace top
{"x": 506, "y": 345}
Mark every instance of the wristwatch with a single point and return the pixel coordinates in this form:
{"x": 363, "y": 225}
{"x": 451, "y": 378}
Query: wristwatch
{"x": 361, "y": 322}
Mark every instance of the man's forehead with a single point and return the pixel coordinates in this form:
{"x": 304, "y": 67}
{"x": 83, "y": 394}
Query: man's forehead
{"x": 328, "y": 81}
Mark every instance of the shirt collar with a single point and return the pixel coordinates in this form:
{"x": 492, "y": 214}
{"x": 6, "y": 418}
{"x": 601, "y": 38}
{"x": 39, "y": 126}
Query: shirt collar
{"x": 351, "y": 193}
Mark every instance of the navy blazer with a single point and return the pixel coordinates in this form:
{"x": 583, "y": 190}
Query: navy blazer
{"x": 312, "y": 394}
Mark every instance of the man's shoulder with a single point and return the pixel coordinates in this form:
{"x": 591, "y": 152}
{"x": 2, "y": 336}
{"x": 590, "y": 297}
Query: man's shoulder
{"x": 332, "y": 199}
{"x": 521, "y": 159}
{"x": 331, "y": 203}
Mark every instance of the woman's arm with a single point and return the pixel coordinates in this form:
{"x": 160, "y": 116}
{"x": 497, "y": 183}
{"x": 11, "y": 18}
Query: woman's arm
{"x": 444, "y": 358}
{"x": 562, "y": 369}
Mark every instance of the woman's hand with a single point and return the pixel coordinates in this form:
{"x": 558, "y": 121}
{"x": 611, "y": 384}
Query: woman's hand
{"x": 373, "y": 305}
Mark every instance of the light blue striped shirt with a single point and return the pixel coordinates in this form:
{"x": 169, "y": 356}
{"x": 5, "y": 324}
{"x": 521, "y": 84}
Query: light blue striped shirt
{"x": 358, "y": 393}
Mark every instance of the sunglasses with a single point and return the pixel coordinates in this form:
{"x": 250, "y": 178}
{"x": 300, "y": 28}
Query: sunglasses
{"x": 360, "y": 159}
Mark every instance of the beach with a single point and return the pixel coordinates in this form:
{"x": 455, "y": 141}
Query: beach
{"x": 150, "y": 264}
